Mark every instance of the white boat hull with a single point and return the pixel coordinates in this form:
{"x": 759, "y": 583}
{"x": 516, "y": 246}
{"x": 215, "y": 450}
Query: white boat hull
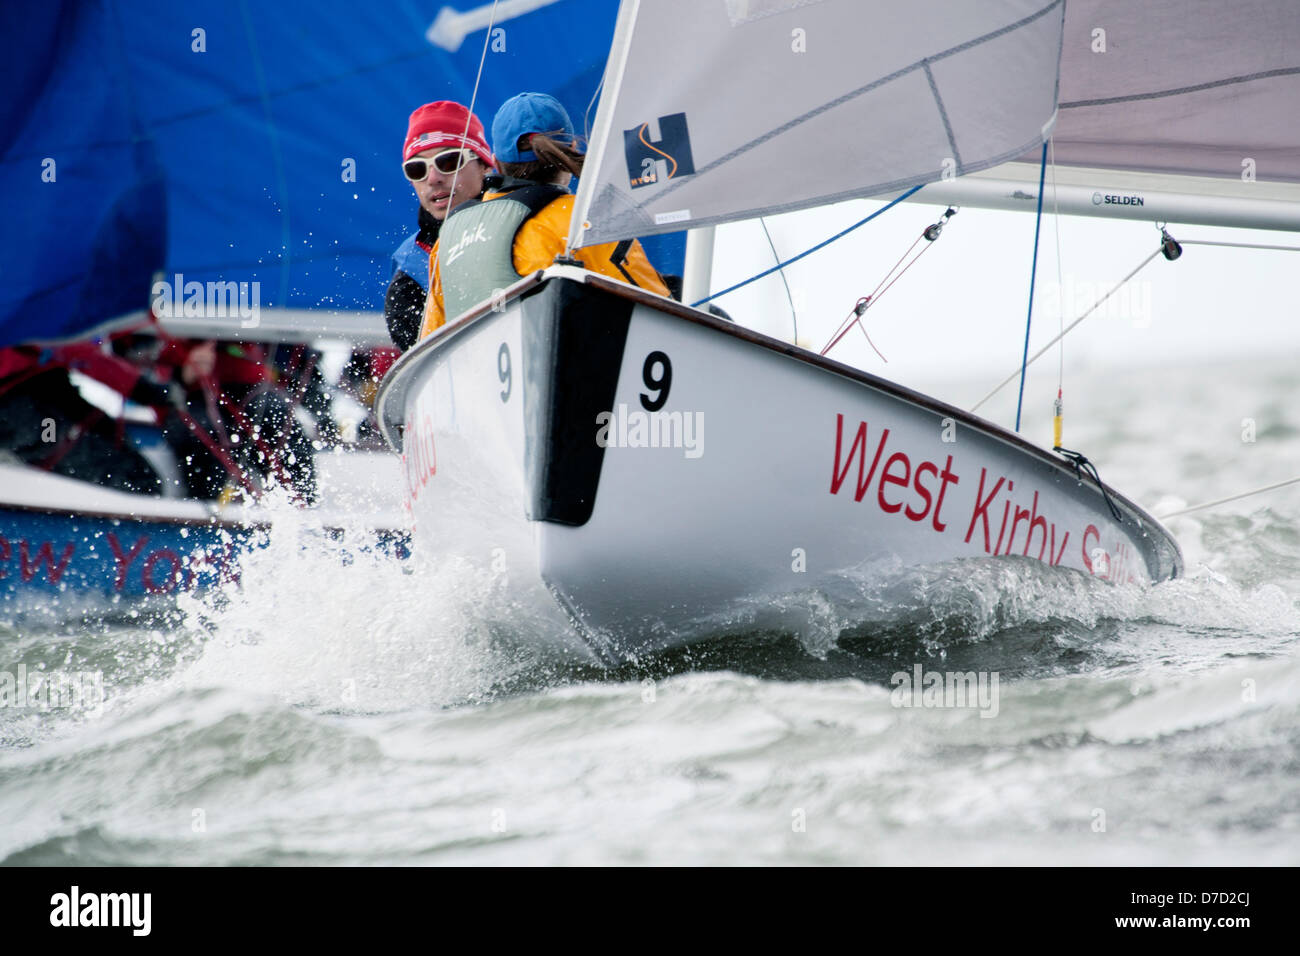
{"x": 758, "y": 470}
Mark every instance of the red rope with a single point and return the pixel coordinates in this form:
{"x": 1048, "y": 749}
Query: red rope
{"x": 847, "y": 324}
{"x": 908, "y": 266}
{"x": 78, "y": 431}
{"x": 221, "y": 446}
{"x": 70, "y": 442}
{"x": 231, "y": 466}
{"x": 860, "y": 307}
{"x": 25, "y": 375}
{"x": 269, "y": 454}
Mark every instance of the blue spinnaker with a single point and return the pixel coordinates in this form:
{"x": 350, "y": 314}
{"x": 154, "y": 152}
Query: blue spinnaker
{"x": 244, "y": 142}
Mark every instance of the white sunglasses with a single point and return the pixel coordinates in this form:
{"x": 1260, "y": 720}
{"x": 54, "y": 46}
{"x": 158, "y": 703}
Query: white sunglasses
{"x": 417, "y": 168}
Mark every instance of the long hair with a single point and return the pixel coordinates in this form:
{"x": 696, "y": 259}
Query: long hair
{"x": 552, "y": 158}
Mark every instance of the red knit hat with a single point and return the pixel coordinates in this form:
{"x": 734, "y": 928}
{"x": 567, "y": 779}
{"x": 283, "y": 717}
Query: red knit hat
{"x": 443, "y": 124}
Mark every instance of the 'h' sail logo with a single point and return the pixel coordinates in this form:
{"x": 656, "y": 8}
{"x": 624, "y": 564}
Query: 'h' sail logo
{"x": 650, "y": 161}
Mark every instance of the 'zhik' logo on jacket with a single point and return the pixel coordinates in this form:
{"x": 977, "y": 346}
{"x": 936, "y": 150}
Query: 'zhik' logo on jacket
{"x": 467, "y": 238}
{"x": 651, "y": 161}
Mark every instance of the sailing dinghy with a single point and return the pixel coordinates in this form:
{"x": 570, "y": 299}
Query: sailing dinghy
{"x": 646, "y": 471}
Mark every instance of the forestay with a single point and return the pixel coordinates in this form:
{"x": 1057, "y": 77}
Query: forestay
{"x": 715, "y": 110}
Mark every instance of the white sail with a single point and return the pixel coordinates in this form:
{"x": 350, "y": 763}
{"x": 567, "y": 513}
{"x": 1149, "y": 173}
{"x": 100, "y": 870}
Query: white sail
{"x": 1179, "y": 111}
{"x": 716, "y": 110}
{"x": 1195, "y": 87}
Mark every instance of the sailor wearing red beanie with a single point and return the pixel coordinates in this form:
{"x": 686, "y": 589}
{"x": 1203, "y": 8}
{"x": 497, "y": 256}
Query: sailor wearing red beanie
{"x": 445, "y": 148}
{"x": 442, "y": 125}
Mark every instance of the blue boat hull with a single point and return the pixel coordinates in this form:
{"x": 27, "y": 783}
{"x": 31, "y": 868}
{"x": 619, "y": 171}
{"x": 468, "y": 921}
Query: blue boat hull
{"x": 44, "y": 554}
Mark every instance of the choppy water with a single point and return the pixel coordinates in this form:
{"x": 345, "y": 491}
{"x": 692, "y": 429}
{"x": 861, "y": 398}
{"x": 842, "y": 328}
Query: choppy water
{"x": 369, "y": 712}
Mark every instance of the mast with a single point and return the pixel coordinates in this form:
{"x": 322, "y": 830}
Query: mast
{"x": 697, "y": 273}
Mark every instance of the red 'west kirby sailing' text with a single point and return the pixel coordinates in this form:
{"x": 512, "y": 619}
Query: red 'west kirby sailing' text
{"x": 917, "y": 489}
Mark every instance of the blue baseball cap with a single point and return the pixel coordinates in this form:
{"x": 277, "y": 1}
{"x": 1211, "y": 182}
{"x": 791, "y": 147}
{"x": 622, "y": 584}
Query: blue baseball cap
{"x": 523, "y": 114}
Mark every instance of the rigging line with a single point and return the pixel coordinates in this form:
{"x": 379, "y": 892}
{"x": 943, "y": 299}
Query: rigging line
{"x": 1058, "y": 407}
{"x": 855, "y": 317}
{"x": 211, "y": 444}
{"x": 586, "y": 117}
{"x": 931, "y": 235}
{"x": 1082, "y": 466}
{"x": 851, "y": 320}
{"x": 1033, "y": 275}
{"x": 847, "y": 324}
{"x": 794, "y": 318}
{"x": 877, "y": 290}
{"x": 875, "y": 296}
{"x": 1060, "y": 282}
{"x": 856, "y": 313}
{"x": 807, "y": 252}
{"x": 469, "y": 114}
{"x": 1237, "y": 245}
{"x": 1244, "y": 494}
{"x": 1039, "y": 354}
{"x": 863, "y": 329}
